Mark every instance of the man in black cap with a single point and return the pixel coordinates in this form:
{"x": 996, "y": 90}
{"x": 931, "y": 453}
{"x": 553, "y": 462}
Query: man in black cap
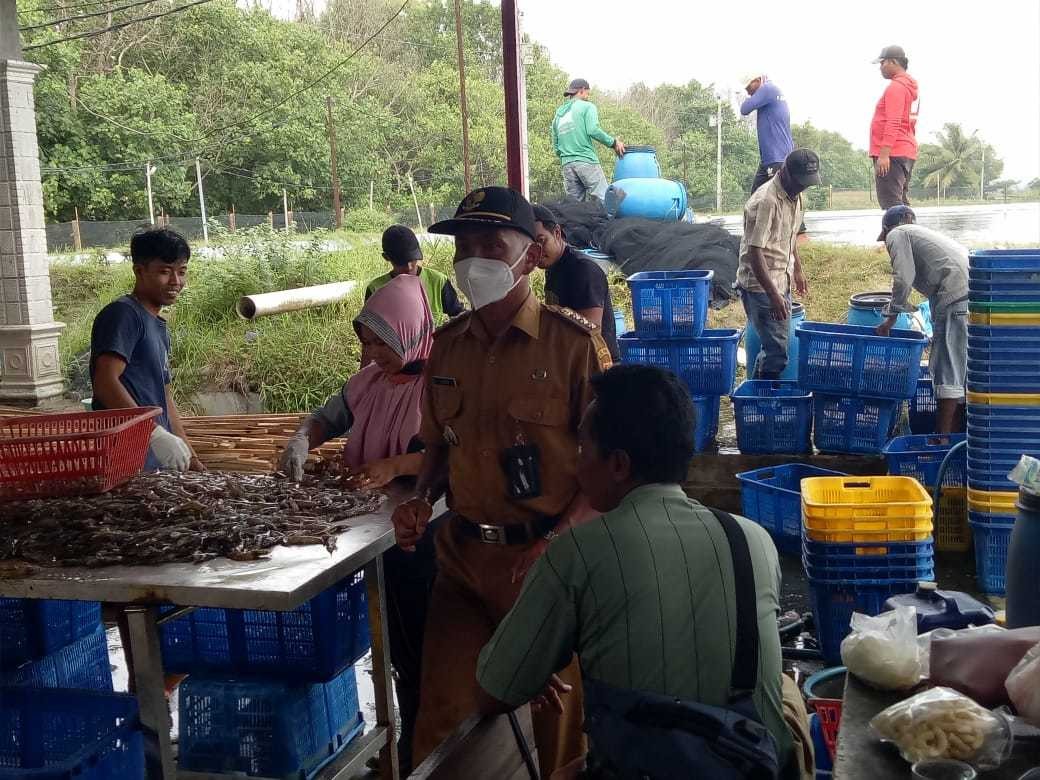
{"x": 769, "y": 261}
{"x": 574, "y": 128}
{"x": 506, "y": 386}
{"x": 401, "y": 249}
{"x": 893, "y": 139}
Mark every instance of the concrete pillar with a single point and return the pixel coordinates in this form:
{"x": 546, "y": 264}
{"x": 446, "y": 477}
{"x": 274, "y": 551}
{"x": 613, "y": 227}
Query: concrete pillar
{"x": 29, "y": 366}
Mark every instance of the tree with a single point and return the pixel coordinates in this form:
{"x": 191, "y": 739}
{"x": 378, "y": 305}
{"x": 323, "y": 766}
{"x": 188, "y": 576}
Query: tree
{"x": 842, "y": 166}
{"x": 955, "y": 161}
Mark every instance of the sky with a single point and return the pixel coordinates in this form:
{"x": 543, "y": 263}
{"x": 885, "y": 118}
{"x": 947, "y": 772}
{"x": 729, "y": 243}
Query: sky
{"x": 976, "y": 63}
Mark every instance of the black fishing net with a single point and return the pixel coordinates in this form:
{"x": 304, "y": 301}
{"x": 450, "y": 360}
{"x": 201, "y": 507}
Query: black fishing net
{"x": 649, "y": 245}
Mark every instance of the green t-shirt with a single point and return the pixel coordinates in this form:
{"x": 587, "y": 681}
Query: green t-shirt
{"x": 645, "y": 596}
{"x": 574, "y": 128}
{"x": 444, "y": 302}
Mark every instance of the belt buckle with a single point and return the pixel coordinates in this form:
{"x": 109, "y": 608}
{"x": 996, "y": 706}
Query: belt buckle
{"x": 492, "y": 534}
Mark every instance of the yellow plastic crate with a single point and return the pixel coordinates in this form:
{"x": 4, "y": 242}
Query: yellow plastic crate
{"x": 864, "y": 498}
{"x": 952, "y": 532}
{"x": 1003, "y": 399}
{"x": 1004, "y": 318}
{"x": 992, "y": 502}
{"x": 889, "y": 529}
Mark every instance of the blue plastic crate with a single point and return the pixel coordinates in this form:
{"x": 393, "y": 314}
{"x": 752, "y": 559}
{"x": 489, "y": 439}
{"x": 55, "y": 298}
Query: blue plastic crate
{"x": 670, "y": 304}
{"x": 992, "y": 535}
{"x": 706, "y": 415}
{"x": 899, "y": 570}
{"x": 921, "y": 456}
{"x": 772, "y": 497}
{"x": 772, "y": 417}
{"x": 1002, "y": 337}
{"x": 83, "y": 664}
{"x": 311, "y": 643}
{"x": 69, "y": 735}
{"x": 32, "y": 628}
{"x": 1009, "y": 418}
{"x": 922, "y": 407}
{"x": 706, "y": 364}
{"x": 851, "y": 360}
{"x": 1004, "y": 377}
{"x": 1003, "y": 259}
{"x": 864, "y": 556}
{"x": 833, "y": 604}
{"x": 842, "y": 424}
{"x": 266, "y": 729}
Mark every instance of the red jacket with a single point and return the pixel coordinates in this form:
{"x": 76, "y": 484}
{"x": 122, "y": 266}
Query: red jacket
{"x": 895, "y": 119}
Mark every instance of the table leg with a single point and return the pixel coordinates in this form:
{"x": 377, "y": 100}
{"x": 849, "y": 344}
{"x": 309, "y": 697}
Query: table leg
{"x": 382, "y": 680}
{"x": 150, "y": 687}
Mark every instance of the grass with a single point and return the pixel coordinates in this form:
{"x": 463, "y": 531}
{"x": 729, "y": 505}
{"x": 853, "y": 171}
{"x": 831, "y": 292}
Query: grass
{"x": 296, "y": 360}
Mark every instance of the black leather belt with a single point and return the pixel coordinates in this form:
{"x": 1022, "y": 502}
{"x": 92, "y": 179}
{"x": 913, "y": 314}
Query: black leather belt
{"x": 514, "y": 533}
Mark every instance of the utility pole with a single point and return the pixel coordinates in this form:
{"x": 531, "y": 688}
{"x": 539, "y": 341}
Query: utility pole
{"x": 463, "y": 106}
{"x": 415, "y": 200}
{"x": 337, "y": 216}
{"x": 149, "y": 169}
{"x": 982, "y": 176}
{"x": 371, "y": 192}
{"x": 202, "y": 201}
{"x": 285, "y": 209}
{"x": 718, "y": 157}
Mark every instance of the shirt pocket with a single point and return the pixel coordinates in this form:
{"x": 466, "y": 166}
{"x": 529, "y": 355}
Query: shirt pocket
{"x": 546, "y": 410}
{"x": 447, "y": 402}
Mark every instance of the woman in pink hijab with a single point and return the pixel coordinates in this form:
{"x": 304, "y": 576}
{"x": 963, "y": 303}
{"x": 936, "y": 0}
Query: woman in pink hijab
{"x": 381, "y": 404}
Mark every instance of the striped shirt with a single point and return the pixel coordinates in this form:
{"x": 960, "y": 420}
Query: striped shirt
{"x": 645, "y": 596}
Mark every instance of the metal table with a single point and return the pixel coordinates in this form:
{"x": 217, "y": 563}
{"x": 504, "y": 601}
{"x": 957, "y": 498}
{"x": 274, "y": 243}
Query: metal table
{"x": 290, "y": 577}
{"x": 862, "y": 756}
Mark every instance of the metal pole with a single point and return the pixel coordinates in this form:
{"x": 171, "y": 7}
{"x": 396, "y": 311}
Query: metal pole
{"x": 148, "y": 171}
{"x": 982, "y": 176}
{"x": 285, "y": 209}
{"x": 718, "y": 157}
{"x": 202, "y": 201}
{"x": 415, "y": 200}
{"x": 463, "y": 106}
{"x": 337, "y": 215}
{"x": 371, "y": 192}
{"x": 512, "y": 65}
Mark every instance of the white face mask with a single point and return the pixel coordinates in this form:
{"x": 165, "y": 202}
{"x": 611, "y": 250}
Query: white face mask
{"x": 484, "y": 281}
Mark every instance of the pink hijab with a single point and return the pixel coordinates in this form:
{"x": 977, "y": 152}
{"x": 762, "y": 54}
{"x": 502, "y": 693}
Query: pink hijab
{"x": 387, "y": 408}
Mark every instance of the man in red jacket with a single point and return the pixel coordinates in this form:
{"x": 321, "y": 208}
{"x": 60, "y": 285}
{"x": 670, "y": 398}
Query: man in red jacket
{"x": 893, "y": 144}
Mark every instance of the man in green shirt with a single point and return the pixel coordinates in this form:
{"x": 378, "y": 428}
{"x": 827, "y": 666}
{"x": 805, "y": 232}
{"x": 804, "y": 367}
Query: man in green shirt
{"x": 644, "y": 594}
{"x": 574, "y": 128}
{"x": 401, "y": 249}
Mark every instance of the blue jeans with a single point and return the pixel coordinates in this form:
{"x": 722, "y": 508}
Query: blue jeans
{"x": 771, "y": 360}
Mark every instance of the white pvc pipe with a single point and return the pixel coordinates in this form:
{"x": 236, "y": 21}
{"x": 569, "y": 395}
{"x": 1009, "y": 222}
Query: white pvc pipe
{"x": 252, "y": 306}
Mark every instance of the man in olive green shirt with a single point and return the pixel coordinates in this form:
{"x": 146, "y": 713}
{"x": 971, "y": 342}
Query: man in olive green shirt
{"x": 645, "y": 593}
{"x": 574, "y": 128}
{"x": 401, "y": 249}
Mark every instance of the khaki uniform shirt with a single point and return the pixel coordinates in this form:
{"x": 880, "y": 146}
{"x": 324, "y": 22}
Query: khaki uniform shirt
{"x": 771, "y": 222}
{"x": 530, "y": 386}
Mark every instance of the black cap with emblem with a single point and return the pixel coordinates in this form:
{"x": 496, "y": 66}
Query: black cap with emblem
{"x": 490, "y": 207}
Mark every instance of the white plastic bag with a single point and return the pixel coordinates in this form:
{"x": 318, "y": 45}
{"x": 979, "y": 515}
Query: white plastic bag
{"x": 1023, "y": 686}
{"x": 882, "y": 650}
{"x": 941, "y": 723}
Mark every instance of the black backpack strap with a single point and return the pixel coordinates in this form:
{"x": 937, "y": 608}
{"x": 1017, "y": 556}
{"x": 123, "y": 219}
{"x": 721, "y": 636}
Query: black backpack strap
{"x": 745, "y": 660}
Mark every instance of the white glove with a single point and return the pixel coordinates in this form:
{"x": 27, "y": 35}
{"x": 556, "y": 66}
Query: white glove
{"x": 295, "y": 455}
{"x": 171, "y": 451}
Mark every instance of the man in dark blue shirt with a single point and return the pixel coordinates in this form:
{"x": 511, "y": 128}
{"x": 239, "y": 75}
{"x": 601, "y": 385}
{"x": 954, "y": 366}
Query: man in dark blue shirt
{"x": 773, "y": 122}
{"x": 130, "y": 345}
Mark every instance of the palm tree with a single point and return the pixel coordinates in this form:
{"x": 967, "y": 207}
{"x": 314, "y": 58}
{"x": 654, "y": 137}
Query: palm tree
{"x": 953, "y": 161}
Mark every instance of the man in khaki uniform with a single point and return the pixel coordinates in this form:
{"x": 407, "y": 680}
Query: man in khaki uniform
{"x": 506, "y": 388}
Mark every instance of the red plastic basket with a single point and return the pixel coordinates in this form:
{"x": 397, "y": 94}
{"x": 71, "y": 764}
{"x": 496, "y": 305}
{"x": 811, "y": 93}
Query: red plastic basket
{"x": 829, "y": 712}
{"x": 47, "y": 455}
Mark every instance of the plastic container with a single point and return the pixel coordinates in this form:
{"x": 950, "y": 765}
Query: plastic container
{"x": 772, "y": 417}
{"x": 706, "y": 414}
{"x": 266, "y": 729}
{"x": 619, "y": 321}
{"x": 638, "y": 162}
{"x": 753, "y": 344}
{"x": 772, "y": 498}
{"x": 870, "y": 562}
{"x": 878, "y": 509}
{"x": 991, "y": 502}
{"x": 646, "y": 198}
{"x": 32, "y": 628}
{"x": 72, "y": 454}
{"x": 851, "y": 360}
{"x": 992, "y": 538}
{"x": 979, "y": 314}
{"x": 834, "y": 603}
{"x": 82, "y": 664}
{"x": 310, "y": 643}
{"x": 69, "y": 735}
{"x": 1002, "y": 338}
{"x": 865, "y": 309}
{"x": 921, "y": 456}
{"x": 952, "y": 533}
{"x": 824, "y": 692}
{"x": 942, "y": 608}
{"x": 845, "y": 424}
{"x": 706, "y": 364}
{"x": 1002, "y": 399}
{"x": 1003, "y": 258}
{"x": 1023, "y": 586}
{"x": 670, "y": 304}
{"x": 922, "y": 408}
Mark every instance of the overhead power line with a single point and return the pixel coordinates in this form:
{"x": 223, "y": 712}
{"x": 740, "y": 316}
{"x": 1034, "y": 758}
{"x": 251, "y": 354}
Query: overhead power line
{"x": 105, "y": 12}
{"x": 119, "y": 26}
{"x": 61, "y": 7}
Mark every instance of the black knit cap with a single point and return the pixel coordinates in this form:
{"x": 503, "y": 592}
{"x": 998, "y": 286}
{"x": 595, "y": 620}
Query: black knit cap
{"x": 400, "y": 245}
{"x": 490, "y": 207}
